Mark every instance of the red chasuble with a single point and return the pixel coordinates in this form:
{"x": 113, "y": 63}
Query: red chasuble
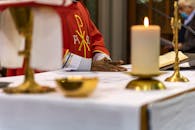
{"x": 80, "y": 35}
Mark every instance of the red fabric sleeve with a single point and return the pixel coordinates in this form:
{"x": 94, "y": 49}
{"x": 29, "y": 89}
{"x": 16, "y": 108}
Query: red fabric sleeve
{"x": 98, "y": 44}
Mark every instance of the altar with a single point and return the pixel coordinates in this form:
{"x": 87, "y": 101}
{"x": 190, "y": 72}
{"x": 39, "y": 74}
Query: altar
{"x": 110, "y": 107}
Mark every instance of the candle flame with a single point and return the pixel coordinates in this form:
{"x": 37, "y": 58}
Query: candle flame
{"x": 146, "y": 22}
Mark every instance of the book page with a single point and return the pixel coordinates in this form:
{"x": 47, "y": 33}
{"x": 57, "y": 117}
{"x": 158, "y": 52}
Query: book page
{"x": 169, "y": 58}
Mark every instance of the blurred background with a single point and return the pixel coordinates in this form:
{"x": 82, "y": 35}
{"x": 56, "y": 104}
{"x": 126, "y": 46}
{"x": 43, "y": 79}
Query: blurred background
{"x": 115, "y": 17}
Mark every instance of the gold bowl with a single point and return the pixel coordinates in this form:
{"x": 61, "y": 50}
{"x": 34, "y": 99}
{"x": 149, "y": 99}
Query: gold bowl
{"x": 77, "y": 86}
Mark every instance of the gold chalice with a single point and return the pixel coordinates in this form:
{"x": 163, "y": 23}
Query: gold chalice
{"x": 23, "y": 19}
{"x": 77, "y": 86}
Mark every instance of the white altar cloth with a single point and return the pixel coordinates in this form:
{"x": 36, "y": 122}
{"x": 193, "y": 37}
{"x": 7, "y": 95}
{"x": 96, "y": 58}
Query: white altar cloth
{"x": 110, "y": 107}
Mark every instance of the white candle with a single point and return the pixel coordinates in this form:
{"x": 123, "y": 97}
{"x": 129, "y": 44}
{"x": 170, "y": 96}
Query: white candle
{"x": 145, "y": 48}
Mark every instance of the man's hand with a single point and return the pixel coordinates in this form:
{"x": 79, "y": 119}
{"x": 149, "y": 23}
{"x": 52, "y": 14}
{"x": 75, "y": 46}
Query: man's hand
{"x": 107, "y": 65}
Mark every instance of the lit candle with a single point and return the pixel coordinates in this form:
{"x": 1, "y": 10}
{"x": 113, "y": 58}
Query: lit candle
{"x": 145, "y": 48}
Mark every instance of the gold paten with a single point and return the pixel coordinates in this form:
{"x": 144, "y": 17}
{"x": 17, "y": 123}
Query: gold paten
{"x": 23, "y": 19}
{"x": 176, "y": 25}
{"x": 77, "y": 86}
{"x": 145, "y": 83}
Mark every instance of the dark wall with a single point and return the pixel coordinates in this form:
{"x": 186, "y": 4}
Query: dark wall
{"x": 92, "y": 6}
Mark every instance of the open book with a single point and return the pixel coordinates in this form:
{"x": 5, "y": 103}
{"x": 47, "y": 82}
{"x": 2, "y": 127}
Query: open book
{"x": 169, "y": 59}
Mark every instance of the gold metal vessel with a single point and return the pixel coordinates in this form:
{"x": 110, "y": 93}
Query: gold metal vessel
{"x": 23, "y": 18}
{"x": 145, "y": 82}
{"x": 77, "y": 86}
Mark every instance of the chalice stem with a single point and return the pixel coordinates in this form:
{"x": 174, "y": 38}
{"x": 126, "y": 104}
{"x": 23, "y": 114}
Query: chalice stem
{"x": 23, "y": 18}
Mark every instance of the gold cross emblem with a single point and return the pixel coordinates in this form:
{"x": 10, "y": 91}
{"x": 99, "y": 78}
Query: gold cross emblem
{"x": 81, "y": 34}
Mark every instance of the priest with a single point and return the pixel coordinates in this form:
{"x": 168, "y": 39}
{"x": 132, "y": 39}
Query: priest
{"x": 83, "y": 45}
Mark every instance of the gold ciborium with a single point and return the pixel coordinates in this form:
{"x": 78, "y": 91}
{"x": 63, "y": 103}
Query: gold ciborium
{"x": 23, "y": 18}
{"x": 176, "y": 25}
{"x": 145, "y": 82}
{"x": 77, "y": 86}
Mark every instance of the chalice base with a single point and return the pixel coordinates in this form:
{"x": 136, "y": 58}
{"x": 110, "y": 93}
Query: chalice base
{"x": 145, "y": 84}
{"x": 176, "y": 77}
{"x": 28, "y": 87}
